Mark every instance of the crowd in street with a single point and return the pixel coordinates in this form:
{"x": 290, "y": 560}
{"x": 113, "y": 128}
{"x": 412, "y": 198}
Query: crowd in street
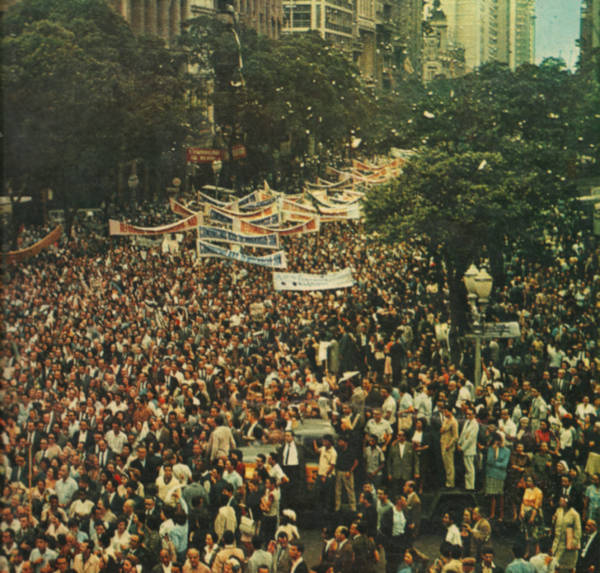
{"x": 133, "y": 379}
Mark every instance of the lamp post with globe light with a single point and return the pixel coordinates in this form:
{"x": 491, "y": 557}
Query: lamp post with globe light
{"x": 132, "y": 182}
{"x": 478, "y": 283}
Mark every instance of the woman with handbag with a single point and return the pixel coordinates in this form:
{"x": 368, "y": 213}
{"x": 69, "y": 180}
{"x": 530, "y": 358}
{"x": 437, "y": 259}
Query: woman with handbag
{"x": 531, "y": 516}
{"x": 515, "y": 478}
{"x": 567, "y": 536}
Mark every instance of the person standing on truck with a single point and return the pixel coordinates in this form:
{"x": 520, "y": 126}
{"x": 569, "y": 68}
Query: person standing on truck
{"x": 324, "y": 484}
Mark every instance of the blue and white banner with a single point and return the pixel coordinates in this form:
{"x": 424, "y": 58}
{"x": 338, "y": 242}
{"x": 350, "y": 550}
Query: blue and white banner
{"x": 266, "y": 221}
{"x": 220, "y": 217}
{"x": 308, "y": 282}
{"x": 270, "y": 241}
{"x": 274, "y": 261}
{"x": 204, "y": 198}
{"x": 255, "y": 206}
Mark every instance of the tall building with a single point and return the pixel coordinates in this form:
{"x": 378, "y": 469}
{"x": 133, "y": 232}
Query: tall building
{"x": 491, "y": 30}
{"x": 264, "y": 16}
{"x": 517, "y": 32}
{"x": 440, "y": 60}
{"x": 164, "y": 17}
{"x": 383, "y": 36}
{"x": 333, "y": 19}
{"x": 589, "y": 40}
{"x": 365, "y": 37}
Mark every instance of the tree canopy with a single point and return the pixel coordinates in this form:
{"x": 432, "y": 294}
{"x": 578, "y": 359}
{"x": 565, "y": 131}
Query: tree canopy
{"x": 497, "y": 153}
{"x": 81, "y": 93}
{"x": 298, "y": 89}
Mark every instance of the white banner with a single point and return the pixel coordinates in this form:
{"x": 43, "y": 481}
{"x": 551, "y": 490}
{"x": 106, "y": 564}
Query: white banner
{"x": 123, "y": 228}
{"x": 307, "y": 282}
{"x": 274, "y": 261}
{"x": 267, "y": 241}
{"x": 502, "y": 330}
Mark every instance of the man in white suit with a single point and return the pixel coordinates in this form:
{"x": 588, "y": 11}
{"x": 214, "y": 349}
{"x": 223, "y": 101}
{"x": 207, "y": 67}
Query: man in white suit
{"x": 467, "y": 444}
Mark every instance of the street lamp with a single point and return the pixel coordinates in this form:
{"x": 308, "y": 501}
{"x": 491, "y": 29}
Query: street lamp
{"x": 133, "y": 182}
{"x": 479, "y": 286}
{"x": 217, "y": 165}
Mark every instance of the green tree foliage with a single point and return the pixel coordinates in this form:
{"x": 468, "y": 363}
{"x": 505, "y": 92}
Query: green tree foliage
{"x": 81, "y": 94}
{"x": 297, "y": 89}
{"x": 497, "y": 150}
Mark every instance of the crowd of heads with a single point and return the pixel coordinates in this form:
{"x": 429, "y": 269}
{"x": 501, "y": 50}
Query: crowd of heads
{"x": 131, "y": 377}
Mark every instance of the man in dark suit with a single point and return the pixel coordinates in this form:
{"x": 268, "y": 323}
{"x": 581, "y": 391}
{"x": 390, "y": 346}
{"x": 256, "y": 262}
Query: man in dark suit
{"x": 364, "y": 549}
{"x": 394, "y": 527}
{"x": 84, "y": 435}
{"x": 589, "y": 556}
{"x": 400, "y": 463}
{"x": 104, "y": 454}
{"x": 291, "y": 459}
{"x": 165, "y": 562}
{"x": 251, "y": 432}
{"x": 146, "y": 465}
{"x": 19, "y": 472}
{"x": 486, "y": 562}
{"x": 111, "y": 498}
{"x": 344, "y": 555}
{"x": 34, "y": 435}
{"x": 296, "y": 556}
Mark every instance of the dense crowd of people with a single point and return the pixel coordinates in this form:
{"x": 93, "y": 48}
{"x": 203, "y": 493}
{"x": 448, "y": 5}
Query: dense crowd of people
{"x": 134, "y": 378}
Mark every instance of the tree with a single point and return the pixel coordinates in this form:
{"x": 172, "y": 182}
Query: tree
{"x": 496, "y": 148}
{"x": 299, "y": 90}
{"x": 81, "y": 94}
{"x": 463, "y": 204}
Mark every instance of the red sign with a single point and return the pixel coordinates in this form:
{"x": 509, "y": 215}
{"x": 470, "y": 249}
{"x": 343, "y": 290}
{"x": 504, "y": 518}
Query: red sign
{"x": 203, "y": 155}
{"x": 238, "y": 151}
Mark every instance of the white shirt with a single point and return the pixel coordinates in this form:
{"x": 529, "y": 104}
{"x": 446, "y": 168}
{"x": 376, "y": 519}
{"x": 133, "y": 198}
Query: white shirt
{"x": 290, "y": 454}
{"x": 453, "y": 535}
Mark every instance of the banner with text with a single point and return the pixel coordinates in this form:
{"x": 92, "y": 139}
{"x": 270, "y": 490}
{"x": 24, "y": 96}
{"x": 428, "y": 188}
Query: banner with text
{"x": 17, "y": 256}
{"x": 179, "y": 208}
{"x": 311, "y": 226}
{"x": 267, "y": 241}
{"x": 123, "y": 228}
{"x": 203, "y": 155}
{"x": 310, "y": 282}
{"x": 274, "y": 261}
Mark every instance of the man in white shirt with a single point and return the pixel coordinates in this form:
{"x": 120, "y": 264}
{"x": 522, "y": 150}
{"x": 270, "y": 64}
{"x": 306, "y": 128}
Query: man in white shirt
{"x": 379, "y": 427}
{"x": 423, "y": 404}
{"x": 296, "y": 557}
{"x": 167, "y": 484}
{"x": 467, "y": 444}
{"x": 86, "y": 561}
{"x": 452, "y": 532}
{"x": 507, "y": 426}
{"x": 389, "y": 406}
{"x": 116, "y": 439}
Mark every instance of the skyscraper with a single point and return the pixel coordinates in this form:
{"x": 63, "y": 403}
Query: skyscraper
{"x": 590, "y": 32}
{"x": 491, "y": 30}
{"x": 164, "y": 17}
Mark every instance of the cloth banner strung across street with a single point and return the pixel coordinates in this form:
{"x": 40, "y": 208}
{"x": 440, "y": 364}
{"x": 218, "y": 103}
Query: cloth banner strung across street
{"x": 269, "y": 220}
{"x": 274, "y": 261}
{"x": 227, "y": 216}
{"x": 258, "y": 204}
{"x": 352, "y": 213}
{"x": 253, "y": 199}
{"x": 22, "y": 254}
{"x": 309, "y": 282}
{"x": 123, "y": 228}
{"x": 204, "y": 198}
{"x": 180, "y": 209}
{"x": 345, "y": 181}
{"x": 267, "y": 241}
{"x": 220, "y": 217}
{"x": 311, "y": 226}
